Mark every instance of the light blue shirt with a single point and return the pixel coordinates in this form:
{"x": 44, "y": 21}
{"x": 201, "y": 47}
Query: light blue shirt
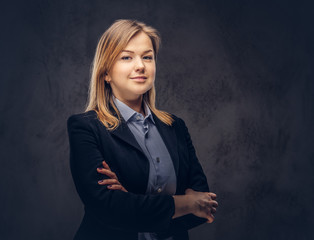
{"x": 162, "y": 177}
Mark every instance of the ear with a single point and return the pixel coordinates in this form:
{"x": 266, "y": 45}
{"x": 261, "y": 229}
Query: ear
{"x": 107, "y": 77}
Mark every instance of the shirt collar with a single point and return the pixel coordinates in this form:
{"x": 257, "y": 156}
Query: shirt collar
{"x": 128, "y": 112}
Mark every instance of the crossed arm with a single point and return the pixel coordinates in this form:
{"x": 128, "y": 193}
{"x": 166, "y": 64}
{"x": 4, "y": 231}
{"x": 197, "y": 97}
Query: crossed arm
{"x": 114, "y": 184}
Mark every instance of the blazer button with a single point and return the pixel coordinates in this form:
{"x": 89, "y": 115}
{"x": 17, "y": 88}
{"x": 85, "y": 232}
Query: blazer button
{"x": 159, "y": 190}
{"x": 157, "y": 159}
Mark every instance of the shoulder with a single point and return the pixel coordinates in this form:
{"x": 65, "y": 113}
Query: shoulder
{"x": 177, "y": 119}
{"x": 178, "y": 122}
{"x": 87, "y": 118}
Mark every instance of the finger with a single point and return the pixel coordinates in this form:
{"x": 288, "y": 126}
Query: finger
{"x": 211, "y": 218}
{"x": 107, "y": 172}
{"x": 108, "y": 181}
{"x": 213, "y": 203}
{"x": 105, "y": 165}
{"x": 116, "y": 187}
{"x": 214, "y": 210}
{"x": 208, "y": 206}
{"x": 212, "y": 195}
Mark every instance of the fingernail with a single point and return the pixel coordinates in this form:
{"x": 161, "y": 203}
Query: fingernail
{"x": 100, "y": 181}
{"x": 99, "y": 168}
{"x": 110, "y": 186}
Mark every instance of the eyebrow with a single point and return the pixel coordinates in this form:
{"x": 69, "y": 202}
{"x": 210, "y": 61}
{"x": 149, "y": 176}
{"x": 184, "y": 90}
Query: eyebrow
{"x": 133, "y": 52}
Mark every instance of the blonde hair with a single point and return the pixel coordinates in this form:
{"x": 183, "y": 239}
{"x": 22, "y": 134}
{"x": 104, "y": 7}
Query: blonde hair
{"x": 110, "y": 45}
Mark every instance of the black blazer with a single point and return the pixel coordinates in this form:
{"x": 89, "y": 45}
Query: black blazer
{"x": 114, "y": 214}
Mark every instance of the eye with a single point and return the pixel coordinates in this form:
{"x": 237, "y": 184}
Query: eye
{"x": 126, "y": 58}
{"x": 148, "y": 57}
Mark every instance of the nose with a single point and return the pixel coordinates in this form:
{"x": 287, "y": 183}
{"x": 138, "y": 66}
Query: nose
{"x": 139, "y": 65}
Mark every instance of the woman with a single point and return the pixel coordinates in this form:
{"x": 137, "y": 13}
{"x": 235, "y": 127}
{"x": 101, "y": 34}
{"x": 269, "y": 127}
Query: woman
{"x": 155, "y": 187}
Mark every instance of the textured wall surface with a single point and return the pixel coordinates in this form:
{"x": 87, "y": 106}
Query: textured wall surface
{"x": 240, "y": 73}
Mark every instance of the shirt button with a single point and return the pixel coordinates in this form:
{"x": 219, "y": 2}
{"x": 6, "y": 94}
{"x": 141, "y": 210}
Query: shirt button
{"x": 159, "y": 190}
{"x": 138, "y": 117}
{"x": 157, "y": 159}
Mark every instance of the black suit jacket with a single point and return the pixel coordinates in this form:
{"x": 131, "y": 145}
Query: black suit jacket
{"x": 114, "y": 214}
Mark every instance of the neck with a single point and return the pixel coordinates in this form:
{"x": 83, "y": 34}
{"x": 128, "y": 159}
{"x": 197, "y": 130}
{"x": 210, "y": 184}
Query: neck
{"x": 135, "y": 104}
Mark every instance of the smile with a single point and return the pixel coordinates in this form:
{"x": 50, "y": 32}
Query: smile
{"x": 139, "y": 78}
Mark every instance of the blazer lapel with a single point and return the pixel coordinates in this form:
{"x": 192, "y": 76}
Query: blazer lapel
{"x": 170, "y": 139}
{"x": 124, "y": 133}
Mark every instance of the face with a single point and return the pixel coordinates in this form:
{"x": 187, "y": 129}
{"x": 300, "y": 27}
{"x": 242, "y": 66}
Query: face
{"x": 133, "y": 73}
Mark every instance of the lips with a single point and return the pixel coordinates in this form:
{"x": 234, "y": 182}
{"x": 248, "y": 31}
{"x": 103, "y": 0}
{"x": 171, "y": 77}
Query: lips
{"x": 139, "y": 78}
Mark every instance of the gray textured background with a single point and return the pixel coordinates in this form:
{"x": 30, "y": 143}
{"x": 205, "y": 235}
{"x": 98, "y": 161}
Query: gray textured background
{"x": 240, "y": 73}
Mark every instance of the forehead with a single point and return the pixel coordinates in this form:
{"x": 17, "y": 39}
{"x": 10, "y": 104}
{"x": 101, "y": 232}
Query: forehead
{"x": 140, "y": 41}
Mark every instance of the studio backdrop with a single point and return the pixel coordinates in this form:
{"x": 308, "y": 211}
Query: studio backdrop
{"x": 240, "y": 73}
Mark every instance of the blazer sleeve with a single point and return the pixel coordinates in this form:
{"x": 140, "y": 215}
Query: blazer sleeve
{"x": 197, "y": 182}
{"x": 116, "y": 209}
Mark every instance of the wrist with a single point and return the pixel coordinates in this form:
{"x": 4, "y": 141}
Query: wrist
{"x": 190, "y": 208}
{"x": 184, "y": 204}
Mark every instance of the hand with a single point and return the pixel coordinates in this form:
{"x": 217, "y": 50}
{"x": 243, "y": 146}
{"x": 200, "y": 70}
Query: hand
{"x": 113, "y": 182}
{"x": 204, "y": 204}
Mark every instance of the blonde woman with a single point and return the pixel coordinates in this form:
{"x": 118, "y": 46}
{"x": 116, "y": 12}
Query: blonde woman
{"x": 134, "y": 166}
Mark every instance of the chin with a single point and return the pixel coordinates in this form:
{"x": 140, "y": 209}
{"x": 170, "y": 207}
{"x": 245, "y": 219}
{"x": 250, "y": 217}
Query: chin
{"x": 142, "y": 90}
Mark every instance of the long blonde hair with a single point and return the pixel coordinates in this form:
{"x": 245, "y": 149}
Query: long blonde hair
{"x": 110, "y": 45}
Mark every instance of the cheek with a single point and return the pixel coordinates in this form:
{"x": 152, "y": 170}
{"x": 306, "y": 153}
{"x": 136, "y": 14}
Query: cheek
{"x": 121, "y": 70}
{"x": 152, "y": 70}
